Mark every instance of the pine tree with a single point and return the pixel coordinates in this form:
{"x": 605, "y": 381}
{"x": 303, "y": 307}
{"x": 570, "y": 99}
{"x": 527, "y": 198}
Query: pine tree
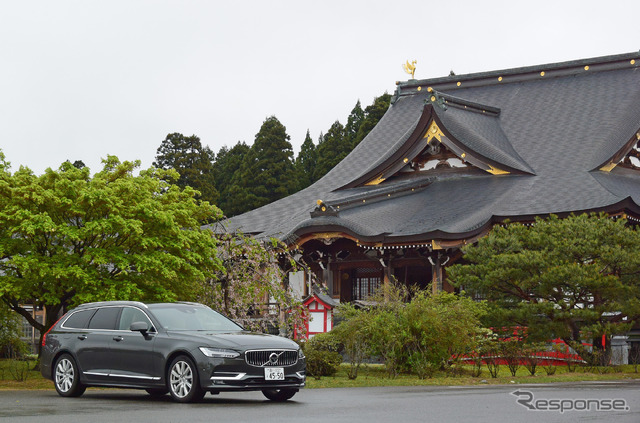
{"x": 306, "y": 163}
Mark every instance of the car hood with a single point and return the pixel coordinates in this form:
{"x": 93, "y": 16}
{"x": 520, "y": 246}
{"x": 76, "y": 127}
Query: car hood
{"x": 236, "y": 340}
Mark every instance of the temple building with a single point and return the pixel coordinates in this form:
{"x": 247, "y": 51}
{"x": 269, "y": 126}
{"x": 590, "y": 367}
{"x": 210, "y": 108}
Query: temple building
{"x": 454, "y": 156}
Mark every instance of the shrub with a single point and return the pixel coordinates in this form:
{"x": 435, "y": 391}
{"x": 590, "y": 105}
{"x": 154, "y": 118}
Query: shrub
{"x": 511, "y": 351}
{"x": 323, "y": 356}
{"x": 531, "y": 358}
{"x": 419, "y": 336}
{"x": 11, "y": 346}
{"x": 352, "y": 333}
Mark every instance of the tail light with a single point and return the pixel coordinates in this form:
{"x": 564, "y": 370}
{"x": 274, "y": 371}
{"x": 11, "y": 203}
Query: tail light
{"x": 44, "y": 337}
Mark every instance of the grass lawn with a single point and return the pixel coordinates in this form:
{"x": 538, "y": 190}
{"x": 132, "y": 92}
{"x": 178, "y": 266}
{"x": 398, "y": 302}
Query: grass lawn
{"x": 375, "y": 375}
{"x": 20, "y": 375}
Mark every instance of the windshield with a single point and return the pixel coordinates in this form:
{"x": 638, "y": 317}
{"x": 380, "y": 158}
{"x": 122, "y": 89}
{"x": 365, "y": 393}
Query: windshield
{"x": 192, "y": 317}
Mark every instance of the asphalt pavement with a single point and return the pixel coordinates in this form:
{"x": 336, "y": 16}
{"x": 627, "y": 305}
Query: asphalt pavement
{"x": 573, "y": 402}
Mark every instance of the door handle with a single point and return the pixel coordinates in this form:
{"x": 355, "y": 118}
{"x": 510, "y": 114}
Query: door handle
{"x": 118, "y": 338}
{"x": 82, "y": 337}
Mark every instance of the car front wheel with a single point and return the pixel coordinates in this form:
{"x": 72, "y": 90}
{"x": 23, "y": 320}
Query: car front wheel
{"x": 183, "y": 382}
{"x": 67, "y": 378}
{"x": 279, "y": 395}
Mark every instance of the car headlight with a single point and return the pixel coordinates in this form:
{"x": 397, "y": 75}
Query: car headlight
{"x": 300, "y": 354}
{"x": 219, "y": 352}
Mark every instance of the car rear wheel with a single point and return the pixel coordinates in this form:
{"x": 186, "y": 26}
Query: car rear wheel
{"x": 182, "y": 376}
{"x": 279, "y": 395}
{"x": 67, "y": 378}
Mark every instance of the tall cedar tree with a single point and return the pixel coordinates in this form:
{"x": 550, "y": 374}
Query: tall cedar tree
{"x": 331, "y": 150}
{"x": 339, "y": 140}
{"x": 354, "y": 121}
{"x": 228, "y": 162}
{"x": 373, "y": 114}
{"x": 306, "y": 163}
{"x": 67, "y": 238}
{"x": 192, "y": 161}
{"x": 267, "y": 172}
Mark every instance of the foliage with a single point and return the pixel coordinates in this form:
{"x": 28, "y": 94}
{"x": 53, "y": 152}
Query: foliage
{"x": 531, "y": 357}
{"x": 19, "y": 370}
{"x": 322, "y": 355}
{"x": 192, "y": 161}
{"x": 10, "y": 343}
{"x": 67, "y": 238}
{"x": 574, "y": 278}
{"x": 306, "y": 163}
{"x": 352, "y": 333}
{"x": 489, "y": 351}
{"x": 252, "y": 286}
{"x": 228, "y": 162}
{"x": 267, "y": 171}
{"x": 332, "y": 148}
{"x": 354, "y": 121}
{"x": 410, "y": 331}
{"x": 511, "y": 351}
{"x": 372, "y": 115}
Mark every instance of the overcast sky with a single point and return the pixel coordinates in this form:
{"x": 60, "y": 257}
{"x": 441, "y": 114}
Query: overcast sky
{"x": 83, "y": 79}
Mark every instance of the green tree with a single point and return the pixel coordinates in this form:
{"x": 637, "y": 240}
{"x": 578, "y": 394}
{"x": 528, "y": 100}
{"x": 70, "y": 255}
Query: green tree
{"x": 354, "y": 121}
{"x": 267, "y": 172}
{"x": 306, "y": 163}
{"x": 373, "y": 114}
{"x": 252, "y": 288}
{"x": 575, "y": 278}
{"x": 228, "y": 162}
{"x": 67, "y": 238}
{"x": 332, "y": 148}
{"x": 192, "y": 161}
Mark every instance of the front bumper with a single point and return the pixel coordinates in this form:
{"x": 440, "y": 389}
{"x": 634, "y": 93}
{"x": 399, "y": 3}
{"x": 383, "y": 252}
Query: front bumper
{"x": 236, "y": 375}
{"x": 239, "y": 381}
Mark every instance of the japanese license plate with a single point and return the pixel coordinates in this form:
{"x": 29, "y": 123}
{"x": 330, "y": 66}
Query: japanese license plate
{"x": 274, "y": 373}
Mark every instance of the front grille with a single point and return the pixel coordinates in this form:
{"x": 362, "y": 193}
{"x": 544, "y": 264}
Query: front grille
{"x": 262, "y": 358}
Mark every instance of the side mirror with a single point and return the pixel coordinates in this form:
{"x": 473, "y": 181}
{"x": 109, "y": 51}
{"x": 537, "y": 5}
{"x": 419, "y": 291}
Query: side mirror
{"x": 142, "y": 327}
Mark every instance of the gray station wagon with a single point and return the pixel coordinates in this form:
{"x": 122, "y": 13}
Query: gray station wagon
{"x": 184, "y": 349}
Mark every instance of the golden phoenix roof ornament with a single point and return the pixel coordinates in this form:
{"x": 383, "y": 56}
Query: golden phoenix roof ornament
{"x": 410, "y": 68}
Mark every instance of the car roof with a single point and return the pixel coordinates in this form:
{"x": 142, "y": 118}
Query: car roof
{"x": 135, "y": 303}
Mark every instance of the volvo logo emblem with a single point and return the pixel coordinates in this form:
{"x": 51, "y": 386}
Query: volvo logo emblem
{"x": 273, "y": 358}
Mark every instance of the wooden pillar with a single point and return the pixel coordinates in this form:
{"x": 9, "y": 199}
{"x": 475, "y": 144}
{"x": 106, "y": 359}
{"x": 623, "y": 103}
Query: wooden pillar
{"x": 437, "y": 263}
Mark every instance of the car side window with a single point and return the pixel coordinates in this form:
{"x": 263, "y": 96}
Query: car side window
{"x": 130, "y": 315}
{"x": 78, "y": 319}
{"x": 105, "y": 318}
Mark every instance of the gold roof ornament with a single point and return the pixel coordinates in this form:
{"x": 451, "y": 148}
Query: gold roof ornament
{"x": 410, "y": 68}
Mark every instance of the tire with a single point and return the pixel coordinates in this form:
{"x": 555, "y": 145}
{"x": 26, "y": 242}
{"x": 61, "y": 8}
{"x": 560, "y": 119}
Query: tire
{"x": 182, "y": 380}
{"x": 279, "y": 395}
{"x": 157, "y": 392}
{"x": 66, "y": 377}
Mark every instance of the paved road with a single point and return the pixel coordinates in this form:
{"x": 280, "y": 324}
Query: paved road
{"x": 486, "y": 403}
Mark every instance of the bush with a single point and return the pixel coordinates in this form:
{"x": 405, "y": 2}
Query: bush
{"x": 531, "y": 357}
{"x": 323, "y": 356}
{"x": 420, "y": 336}
{"x": 11, "y": 346}
{"x": 353, "y": 334}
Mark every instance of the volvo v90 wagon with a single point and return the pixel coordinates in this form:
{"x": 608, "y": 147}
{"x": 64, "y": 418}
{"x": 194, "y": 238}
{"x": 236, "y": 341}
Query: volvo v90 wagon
{"x": 184, "y": 349}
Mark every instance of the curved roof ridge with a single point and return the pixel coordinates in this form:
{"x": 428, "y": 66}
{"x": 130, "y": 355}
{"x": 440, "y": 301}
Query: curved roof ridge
{"x": 482, "y": 134}
{"x": 620, "y": 136}
{"x": 571, "y": 67}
